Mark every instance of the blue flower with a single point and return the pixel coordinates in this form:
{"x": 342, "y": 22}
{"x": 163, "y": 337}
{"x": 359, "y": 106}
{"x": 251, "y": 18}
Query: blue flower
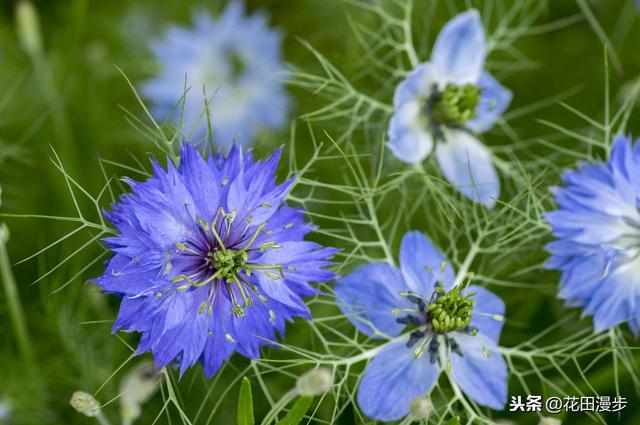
{"x": 448, "y": 325}
{"x": 598, "y": 237}
{"x": 445, "y": 102}
{"x": 235, "y": 58}
{"x": 209, "y": 259}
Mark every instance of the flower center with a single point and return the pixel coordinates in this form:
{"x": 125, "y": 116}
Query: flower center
{"x": 237, "y": 64}
{"x": 449, "y": 312}
{"x": 441, "y": 314}
{"x": 227, "y": 264}
{"x": 456, "y": 104}
{"x": 213, "y": 258}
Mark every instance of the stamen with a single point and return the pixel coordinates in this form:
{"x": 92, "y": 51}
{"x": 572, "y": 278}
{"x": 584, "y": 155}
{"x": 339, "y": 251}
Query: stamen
{"x": 224, "y": 264}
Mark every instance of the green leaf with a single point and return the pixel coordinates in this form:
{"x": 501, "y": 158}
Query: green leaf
{"x": 453, "y": 421}
{"x": 295, "y": 415}
{"x": 245, "y": 403}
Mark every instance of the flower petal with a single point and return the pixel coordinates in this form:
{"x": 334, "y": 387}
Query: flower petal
{"x": 488, "y": 313}
{"x": 461, "y": 48}
{"x": 466, "y": 163}
{"x": 368, "y": 294}
{"x": 394, "y": 378}
{"x": 494, "y": 100}
{"x": 409, "y": 139}
{"x": 423, "y": 265}
{"x": 481, "y": 371}
{"x": 412, "y": 147}
{"x": 614, "y": 299}
{"x": 416, "y": 86}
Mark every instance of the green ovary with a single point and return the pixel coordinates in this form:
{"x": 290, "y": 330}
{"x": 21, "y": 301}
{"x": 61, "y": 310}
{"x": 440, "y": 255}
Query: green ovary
{"x": 457, "y": 104}
{"x": 228, "y": 263}
{"x": 450, "y": 311}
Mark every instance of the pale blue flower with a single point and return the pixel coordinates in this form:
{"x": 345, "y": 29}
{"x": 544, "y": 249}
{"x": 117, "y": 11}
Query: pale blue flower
{"x": 598, "y": 237}
{"x": 236, "y": 59}
{"x": 445, "y": 102}
{"x": 382, "y": 300}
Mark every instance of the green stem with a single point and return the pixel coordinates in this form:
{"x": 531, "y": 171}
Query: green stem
{"x": 277, "y": 408}
{"x": 13, "y": 299}
{"x": 55, "y": 101}
{"x": 466, "y": 264}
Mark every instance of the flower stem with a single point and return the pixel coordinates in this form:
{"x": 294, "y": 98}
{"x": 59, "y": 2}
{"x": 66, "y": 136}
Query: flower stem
{"x": 13, "y": 299}
{"x": 466, "y": 264}
{"x": 277, "y": 408}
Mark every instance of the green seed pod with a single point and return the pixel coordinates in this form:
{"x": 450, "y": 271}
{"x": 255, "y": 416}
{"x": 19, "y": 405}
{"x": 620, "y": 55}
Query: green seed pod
{"x": 85, "y": 404}
{"x": 315, "y": 382}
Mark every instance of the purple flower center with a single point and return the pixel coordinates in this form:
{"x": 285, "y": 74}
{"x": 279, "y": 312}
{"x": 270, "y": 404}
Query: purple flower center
{"x": 219, "y": 255}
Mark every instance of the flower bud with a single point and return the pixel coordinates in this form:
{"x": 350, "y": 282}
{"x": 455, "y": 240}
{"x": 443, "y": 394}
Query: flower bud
{"x": 315, "y": 382}
{"x": 85, "y": 403}
{"x": 28, "y": 27}
{"x": 545, "y": 420}
{"x": 420, "y": 408}
{"x": 137, "y": 387}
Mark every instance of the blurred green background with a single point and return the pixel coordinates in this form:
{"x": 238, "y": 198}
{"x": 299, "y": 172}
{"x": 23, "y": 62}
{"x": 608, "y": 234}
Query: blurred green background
{"x": 71, "y": 98}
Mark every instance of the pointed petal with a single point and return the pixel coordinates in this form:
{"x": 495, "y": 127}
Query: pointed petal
{"x": 494, "y": 100}
{"x": 416, "y": 86}
{"x": 409, "y": 139}
{"x": 461, "y": 48}
{"x": 488, "y": 313}
{"x": 368, "y": 294}
{"x": 412, "y": 147}
{"x": 394, "y": 378}
{"x": 614, "y": 299}
{"x": 466, "y": 163}
{"x": 423, "y": 265}
{"x": 481, "y": 371}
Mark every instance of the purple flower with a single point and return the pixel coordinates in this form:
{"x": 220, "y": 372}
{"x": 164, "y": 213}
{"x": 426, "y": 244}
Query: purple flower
{"x": 598, "y": 237}
{"x": 209, "y": 259}
{"x": 444, "y": 322}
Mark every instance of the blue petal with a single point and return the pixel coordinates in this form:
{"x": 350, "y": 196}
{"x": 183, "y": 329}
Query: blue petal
{"x": 301, "y": 261}
{"x": 409, "y": 139}
{"x": 461, "y": 48}
{"x": 368, "y": 294}
{"x": 416, "y": 86}
{"x": 484, "y": 318}
{"x": 411, "y": 147}
{"x": 467, "y": 165}
{"x": 394, "y": 378}
{"x": 423, "y": 265}
{"x": 202, "y": 181}
{"x": 582, "y": 275}
{"x": 219, "y": 346}
{"x": 481, "y": 371}
{"x": 278, "y": 289}
{"x": 494, "y": 100}
{"x": 615, "y": 299}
